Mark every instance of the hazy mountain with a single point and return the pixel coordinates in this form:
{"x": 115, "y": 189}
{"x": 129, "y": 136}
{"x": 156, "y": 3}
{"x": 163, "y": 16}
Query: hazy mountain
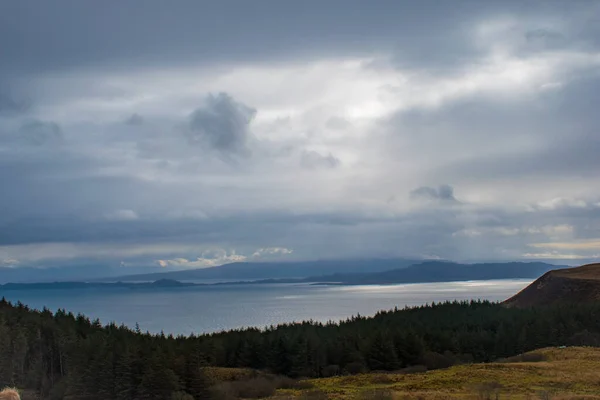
{"x": 275, "y": 270}
{"x": 442, "y": 271}
{"x": 67, "y": 273}
{"x": 162, "y": 283}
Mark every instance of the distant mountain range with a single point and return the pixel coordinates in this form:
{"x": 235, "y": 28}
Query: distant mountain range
{"x": 576, "y": 285}
{"x": 273, "y": 270}
{"x": 233, "y": 271}
{"x": 430, "y": 271}
{"x": 84, "y": 272}
{"x": 163, "y": 283}
{"x": 354, "y": 272}
{"x": 440, "y": 271}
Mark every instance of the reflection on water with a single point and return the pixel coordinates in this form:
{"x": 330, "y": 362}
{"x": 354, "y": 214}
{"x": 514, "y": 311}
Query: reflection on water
{"x": 214, "y": 308}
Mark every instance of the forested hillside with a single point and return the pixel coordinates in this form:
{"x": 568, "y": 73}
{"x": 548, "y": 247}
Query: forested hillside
{"x": 70, "y": 357}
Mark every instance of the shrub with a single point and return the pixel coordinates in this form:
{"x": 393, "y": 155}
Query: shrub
{"x": 433, "y": 360}
{"x": 330, "y": 370}
{"x": 354, "y": 368}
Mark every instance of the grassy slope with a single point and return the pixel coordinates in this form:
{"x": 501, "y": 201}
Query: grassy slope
{"x": 580, "y": 284}
{"x": 570, "y": 373}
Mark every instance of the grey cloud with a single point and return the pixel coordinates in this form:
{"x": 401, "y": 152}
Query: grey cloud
{"x": 222, "y": 124}
{"x": 560, "y": 129}
{"x": 39, "y": 133}
{"x": 545, "y": 38}
{"x": 134, "y": 120}
{"x": 10, "y": 106}
{"x": 490, "y": 233}
{"x": 336, "y": 27}
{"x": 443, "y": 193}
{"x": 313, "y": 159}
{"x": 236, "y": 228}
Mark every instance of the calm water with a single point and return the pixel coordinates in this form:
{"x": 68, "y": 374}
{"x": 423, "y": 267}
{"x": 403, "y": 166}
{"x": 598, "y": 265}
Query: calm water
{"x": 213, "y": 308}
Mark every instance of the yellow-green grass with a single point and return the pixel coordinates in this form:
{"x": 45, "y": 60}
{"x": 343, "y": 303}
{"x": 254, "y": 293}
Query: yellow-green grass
{"x": 566, "y": 373}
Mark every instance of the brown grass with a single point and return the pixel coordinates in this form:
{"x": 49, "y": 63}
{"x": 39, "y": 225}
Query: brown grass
{"x": 588, "y": 271}
{"x": 558, "y": 374}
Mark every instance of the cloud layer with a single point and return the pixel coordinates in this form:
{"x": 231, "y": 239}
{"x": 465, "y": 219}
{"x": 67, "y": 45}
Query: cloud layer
{"x": 190, "y": 135}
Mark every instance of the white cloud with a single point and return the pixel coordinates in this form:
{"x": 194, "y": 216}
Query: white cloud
{"x": 211, "y": 258}
{"x": 555, "y": 255}
{"x": 270, "y": 251}
{"x": 560, "y": 202}
{"x": 9, "y": 263}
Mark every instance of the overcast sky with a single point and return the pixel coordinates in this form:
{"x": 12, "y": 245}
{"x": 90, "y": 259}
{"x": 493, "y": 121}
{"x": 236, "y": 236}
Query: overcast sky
{"x": 190, "y": 134}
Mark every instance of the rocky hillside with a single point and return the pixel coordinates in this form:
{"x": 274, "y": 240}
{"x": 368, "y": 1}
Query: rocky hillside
{"x": 580, "y": 284}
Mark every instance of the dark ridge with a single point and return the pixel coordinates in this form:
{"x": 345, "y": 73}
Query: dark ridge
{"x": 574, "y": 285}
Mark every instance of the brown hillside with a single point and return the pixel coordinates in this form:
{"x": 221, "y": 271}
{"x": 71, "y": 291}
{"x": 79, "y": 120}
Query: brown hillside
{"x": 580, "y": 284}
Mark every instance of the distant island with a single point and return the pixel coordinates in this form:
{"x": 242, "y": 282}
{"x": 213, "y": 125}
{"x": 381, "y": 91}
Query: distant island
{"x": 424, "y": 272}
{"x": 161, "y": 283}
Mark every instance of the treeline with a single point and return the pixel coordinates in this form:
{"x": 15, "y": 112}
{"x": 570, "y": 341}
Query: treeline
{"x": 63, "y": 356}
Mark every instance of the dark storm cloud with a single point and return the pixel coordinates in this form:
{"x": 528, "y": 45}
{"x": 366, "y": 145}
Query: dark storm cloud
{"x": 222, "y": 124}
{"x": 70, "y": 33}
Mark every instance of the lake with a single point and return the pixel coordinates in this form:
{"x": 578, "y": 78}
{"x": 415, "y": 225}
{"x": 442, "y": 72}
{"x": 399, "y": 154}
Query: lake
{"x": 213, "y": 308}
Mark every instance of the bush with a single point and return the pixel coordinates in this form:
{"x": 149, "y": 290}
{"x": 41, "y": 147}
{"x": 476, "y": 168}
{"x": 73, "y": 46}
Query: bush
{"x": 433, "y": 360}
{"x": 354, "y": 368}
{"x": 330, "y": 370}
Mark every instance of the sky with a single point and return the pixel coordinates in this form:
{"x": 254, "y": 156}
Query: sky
{"x": 189, "y": 134}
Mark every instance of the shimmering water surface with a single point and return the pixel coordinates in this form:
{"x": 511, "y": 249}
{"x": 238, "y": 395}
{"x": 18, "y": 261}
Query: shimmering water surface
{"x": 214, "y": 308}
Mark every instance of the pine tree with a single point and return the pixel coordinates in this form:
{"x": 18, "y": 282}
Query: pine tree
{"x": 382, "y": 354}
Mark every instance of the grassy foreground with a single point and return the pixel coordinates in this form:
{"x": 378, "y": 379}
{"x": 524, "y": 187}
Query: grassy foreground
{"x": 566, "y": 373}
